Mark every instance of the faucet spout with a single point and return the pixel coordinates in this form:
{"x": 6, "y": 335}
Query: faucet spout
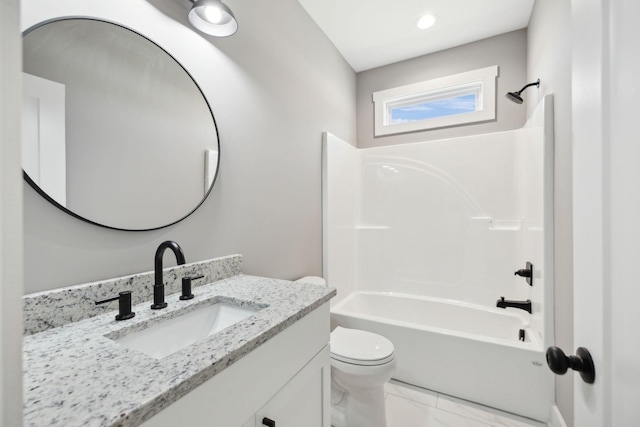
{"x": 158, "y": 287}
{"x": 522, "y": 305}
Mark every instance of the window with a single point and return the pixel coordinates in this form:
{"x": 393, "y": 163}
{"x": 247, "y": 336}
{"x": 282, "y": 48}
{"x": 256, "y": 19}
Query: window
{"x": 447, "y": 101}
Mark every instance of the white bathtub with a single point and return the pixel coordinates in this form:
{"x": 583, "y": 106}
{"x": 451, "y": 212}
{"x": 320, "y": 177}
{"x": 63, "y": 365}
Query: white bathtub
{"x": 459, "y": 349}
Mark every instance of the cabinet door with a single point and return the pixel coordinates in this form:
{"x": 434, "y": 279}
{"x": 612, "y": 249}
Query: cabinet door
{"x": 303, "y": 401}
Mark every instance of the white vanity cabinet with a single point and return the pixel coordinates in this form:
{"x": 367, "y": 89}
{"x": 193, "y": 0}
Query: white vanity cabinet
{"x": 303, "y": 401}
{"x": 285, "y": 380}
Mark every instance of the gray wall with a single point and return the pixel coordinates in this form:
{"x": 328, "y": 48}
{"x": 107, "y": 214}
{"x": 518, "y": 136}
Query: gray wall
{"x": 278, "y": 84}
{"x": 549, "y": 58}
{"x": 508, "y": 51}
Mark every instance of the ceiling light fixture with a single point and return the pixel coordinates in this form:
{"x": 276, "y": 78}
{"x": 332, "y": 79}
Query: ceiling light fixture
{"x": 426, "y": 21}
{"x": 213, "y": 17}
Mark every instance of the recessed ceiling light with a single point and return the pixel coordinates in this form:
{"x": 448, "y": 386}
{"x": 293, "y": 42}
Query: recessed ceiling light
{"x": 426, "y": 21}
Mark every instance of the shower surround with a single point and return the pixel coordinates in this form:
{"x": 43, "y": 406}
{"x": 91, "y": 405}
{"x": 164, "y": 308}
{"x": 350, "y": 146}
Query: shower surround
{"x": 422, "y": 239}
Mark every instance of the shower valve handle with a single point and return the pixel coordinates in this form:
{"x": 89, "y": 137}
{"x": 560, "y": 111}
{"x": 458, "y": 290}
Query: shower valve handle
{"x": 559, "y": 363}
{"x": 527, "y": 273}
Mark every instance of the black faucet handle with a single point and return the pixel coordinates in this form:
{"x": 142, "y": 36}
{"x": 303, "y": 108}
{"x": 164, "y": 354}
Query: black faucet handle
{"x": 186, "y": 286}
{"x": 124, "y": 305}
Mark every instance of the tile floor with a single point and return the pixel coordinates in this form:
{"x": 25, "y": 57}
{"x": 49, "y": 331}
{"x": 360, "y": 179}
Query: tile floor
{"x": 410, "y": 406}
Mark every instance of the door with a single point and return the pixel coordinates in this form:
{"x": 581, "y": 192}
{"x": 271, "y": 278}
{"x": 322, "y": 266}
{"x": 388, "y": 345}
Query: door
{"x": 606, "y": 186}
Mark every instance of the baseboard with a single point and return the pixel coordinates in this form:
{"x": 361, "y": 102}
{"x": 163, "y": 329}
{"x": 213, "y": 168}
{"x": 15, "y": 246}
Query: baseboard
{"x": 556, "y": 418}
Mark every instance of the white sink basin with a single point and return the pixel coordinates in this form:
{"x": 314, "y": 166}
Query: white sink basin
{"x": 172, "y": 335}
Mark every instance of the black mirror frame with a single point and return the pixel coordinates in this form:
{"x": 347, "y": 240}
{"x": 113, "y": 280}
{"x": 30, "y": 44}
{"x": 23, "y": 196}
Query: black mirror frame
{"x": 40, "y": 191}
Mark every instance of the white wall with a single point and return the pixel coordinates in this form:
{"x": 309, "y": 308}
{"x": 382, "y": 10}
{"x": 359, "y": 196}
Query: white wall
{"x": 535, "y": 200}
{"x": 549, "y": 58}
{"x": 273, "y": 88}
{"x": 507, "y": 51}
{"x": 10, "y": 217}
{"x": 341, "y": 163}
{"x": 440, "y": 219}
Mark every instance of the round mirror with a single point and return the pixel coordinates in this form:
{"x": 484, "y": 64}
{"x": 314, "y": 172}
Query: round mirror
{"x": 115, "y": 131}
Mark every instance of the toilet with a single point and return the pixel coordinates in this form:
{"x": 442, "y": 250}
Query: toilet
{"x": 361, "y": 363}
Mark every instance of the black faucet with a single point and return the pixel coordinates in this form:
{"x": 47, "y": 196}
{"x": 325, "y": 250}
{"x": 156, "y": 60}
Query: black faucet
{"x": 158, "y": 287}
{"x": 522, "y": 305}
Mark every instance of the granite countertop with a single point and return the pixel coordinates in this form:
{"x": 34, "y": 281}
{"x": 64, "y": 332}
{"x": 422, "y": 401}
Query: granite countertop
{"x": 75, "y": 376}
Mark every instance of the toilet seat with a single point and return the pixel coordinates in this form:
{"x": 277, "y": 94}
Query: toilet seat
{"x": 360, "y": 347}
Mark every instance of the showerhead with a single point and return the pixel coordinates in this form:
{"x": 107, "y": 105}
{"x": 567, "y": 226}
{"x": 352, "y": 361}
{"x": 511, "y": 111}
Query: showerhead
{"x": 515, "y": 96}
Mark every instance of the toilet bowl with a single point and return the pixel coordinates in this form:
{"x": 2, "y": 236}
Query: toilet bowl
{"x": 361, "y": 363}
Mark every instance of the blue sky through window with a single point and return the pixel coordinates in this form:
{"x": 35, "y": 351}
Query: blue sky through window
{"x": 432, "y": 109}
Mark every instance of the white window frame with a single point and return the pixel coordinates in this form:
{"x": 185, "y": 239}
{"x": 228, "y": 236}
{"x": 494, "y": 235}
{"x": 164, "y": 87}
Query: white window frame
{"x": 481, "y": 82}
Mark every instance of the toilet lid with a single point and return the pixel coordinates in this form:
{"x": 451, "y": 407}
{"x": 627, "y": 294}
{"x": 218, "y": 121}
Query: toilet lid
{"x": 360, "y": 347}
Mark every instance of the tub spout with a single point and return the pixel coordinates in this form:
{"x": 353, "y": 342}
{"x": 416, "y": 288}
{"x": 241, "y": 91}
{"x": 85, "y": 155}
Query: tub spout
{"x": 522, "y": 305}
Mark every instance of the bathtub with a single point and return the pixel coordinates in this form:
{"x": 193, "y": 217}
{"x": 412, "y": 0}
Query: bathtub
{"x": 460, "y": 349}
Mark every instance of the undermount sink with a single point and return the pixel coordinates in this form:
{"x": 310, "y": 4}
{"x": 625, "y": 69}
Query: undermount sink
{"x": 174, "y": 334}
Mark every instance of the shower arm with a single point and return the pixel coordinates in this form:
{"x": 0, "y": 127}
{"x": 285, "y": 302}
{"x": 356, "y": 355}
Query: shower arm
{"x": 536, "y": 83}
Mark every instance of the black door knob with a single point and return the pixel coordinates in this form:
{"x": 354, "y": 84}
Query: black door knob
{"x": 582, "y": 362}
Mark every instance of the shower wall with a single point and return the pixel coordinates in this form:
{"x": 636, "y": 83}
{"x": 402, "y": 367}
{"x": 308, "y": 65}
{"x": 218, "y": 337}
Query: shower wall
{"x": 451, "y": 219}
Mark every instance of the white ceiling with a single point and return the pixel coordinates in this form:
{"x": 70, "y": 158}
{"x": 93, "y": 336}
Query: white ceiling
{"x": 372, "y": 33}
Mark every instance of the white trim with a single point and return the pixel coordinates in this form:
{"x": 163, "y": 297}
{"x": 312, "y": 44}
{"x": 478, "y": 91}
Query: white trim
{"x": 482, "y": 82}
{"x": 210, "y": 166}
{"x": 11, "y": 220}
{"x": 592, "y": 250}
{"x": 325, "y": 203}
{"x": 556, "y": 420}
